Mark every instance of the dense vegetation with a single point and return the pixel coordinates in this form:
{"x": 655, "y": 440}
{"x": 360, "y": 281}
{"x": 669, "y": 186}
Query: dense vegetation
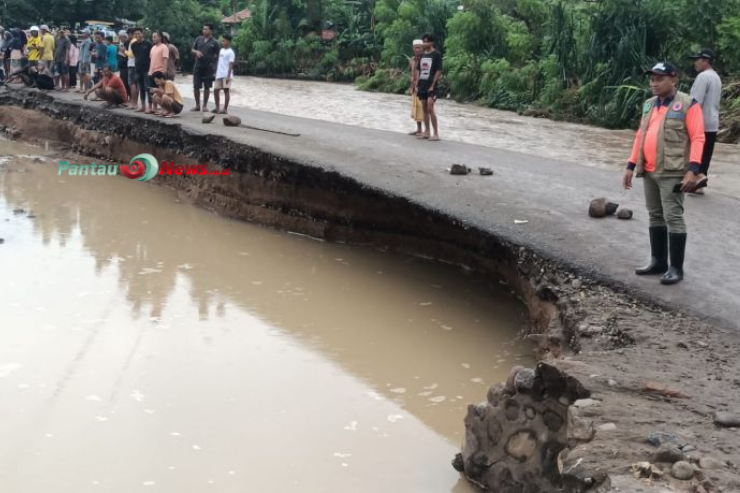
{"x": 575, "y": 59}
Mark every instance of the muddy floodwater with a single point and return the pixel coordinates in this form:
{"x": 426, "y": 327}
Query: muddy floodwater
{"x": 149, "y": 345}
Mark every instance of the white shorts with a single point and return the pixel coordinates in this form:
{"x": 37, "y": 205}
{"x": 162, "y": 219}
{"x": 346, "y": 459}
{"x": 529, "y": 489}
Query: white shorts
{"x": 224, "y": 83}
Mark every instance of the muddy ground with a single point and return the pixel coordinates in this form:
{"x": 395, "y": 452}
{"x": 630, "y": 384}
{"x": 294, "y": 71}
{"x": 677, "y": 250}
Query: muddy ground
{"x": 650, "y": 369}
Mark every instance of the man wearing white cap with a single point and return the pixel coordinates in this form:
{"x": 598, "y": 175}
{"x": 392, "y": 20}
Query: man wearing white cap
{"x": 34, "y": 47}
{"x": 417, "y": 110}
{"x": 49, "y": 46}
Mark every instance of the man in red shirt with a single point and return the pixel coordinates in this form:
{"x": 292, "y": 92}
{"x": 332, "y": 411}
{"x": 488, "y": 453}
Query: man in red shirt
{"x": 667, "y": 152}
{"x": 110, "y": 89}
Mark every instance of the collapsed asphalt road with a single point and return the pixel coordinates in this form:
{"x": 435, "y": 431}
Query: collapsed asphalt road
{"x": 612, "y": 338}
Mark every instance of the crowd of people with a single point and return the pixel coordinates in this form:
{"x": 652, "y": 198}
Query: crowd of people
{"x": 135, "y": 71}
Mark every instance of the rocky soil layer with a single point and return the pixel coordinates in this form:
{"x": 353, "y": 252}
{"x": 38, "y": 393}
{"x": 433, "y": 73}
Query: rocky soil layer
{"x": 663, "y": 405}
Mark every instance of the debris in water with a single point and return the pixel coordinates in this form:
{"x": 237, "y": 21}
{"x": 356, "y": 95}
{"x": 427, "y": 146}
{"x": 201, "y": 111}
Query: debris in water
{"x": 196, "y": 447}
{"x": 399, "y": 390}
{"x": 148, "y": 483}
{"x": 425, "y": 303}
{"x": 352, "y": 426}
{"x": 394, "y": 417}
{"x": 520, "y": 221}
{"x": 431, "y": 387}
{"x": 342, "y": 455}
{"x": 438, "y": 399}
{"x": 476, "y": 380}
{"x": 93, "y": 398}
{"x": 102, "y": 419}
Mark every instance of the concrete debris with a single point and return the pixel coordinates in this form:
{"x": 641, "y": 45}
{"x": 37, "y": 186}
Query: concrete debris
{"x": 485, "y": 171}
{"x": 668, "y": 454}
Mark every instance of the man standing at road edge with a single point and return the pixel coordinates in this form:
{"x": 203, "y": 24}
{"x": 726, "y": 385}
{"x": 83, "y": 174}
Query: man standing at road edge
{"x": 707, "y": 90}
{"x": 430, "y": 71}
{"x": 667, "y": 153}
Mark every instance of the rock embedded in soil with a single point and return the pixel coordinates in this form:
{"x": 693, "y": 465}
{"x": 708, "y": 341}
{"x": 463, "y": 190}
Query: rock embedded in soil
{"x": 668, "y": 454}
{"x": 711, "y": 463}
{"x": 727, "y": 420}
{"x": 524, "y": 380}
{"x": 658, "y": 438}
{"x": 682, "y": 470}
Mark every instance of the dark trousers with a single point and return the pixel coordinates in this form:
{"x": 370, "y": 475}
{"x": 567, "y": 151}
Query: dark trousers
{"x": 710, "y": 138}
{"x": 142, "y": 82}
{"x": 72, "y": 76}
{"x": 124, "y": 76}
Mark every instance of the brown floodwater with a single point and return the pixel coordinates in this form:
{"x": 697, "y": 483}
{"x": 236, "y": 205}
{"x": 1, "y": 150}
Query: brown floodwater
{"x": 149, "y": 345}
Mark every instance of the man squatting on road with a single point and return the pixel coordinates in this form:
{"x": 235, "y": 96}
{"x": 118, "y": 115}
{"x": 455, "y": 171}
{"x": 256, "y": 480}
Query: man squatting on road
{"x": 667, "y": 153}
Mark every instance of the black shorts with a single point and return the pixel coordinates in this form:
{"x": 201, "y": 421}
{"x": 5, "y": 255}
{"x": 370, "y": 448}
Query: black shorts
{"x": 203, "y": 76}
{"x": 425, "y": 94}
{"x": 61, "y": 68}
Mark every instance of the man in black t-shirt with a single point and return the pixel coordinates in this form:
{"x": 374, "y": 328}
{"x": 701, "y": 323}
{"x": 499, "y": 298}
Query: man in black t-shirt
{"x": 206, "y": 51}
{"x": 141, "y": 50}
{"x": 429, "y": 71}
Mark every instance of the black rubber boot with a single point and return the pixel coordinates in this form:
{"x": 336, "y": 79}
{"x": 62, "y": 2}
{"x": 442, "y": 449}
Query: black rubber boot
{"x": 658, "y": 252}
{"x": 678, "y": 250}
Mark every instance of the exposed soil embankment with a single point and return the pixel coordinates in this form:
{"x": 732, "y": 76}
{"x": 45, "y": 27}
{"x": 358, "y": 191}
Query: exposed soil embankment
{"x": 647, "y": 370}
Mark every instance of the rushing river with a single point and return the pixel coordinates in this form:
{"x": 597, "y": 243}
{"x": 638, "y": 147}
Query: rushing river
{"x": 148, "y": 345}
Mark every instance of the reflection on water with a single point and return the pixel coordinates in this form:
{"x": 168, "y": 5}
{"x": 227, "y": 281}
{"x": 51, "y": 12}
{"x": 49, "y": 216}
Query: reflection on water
{"x": 146, "y": 344}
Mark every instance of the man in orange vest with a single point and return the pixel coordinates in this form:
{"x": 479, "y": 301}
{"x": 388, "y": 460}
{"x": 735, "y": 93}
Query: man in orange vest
{"x": 667, "y": 152}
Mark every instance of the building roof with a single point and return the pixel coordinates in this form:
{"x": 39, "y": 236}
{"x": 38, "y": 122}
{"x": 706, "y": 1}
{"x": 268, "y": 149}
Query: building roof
{"x": 238, "y": 17}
